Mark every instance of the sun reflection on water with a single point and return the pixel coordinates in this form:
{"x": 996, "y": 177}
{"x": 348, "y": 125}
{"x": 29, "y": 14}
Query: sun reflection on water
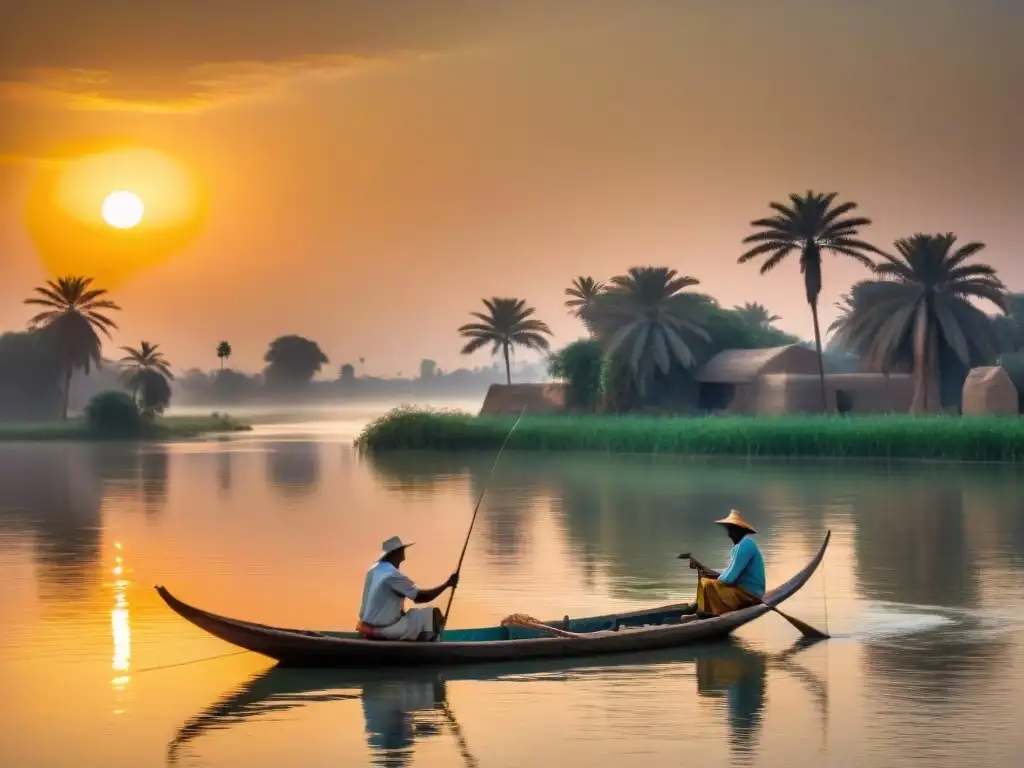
{"x": 120, "y": 625}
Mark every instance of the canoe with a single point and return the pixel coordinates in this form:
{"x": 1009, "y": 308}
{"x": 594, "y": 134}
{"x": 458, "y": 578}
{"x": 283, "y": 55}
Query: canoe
{"x": 644, "y": 630}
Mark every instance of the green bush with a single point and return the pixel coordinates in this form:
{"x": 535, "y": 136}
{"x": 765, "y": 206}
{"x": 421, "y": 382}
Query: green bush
{"x": 873, "y": 437}
{"x": 113, "y": 414}
{"x": 579, "y": 365}
{"x": 154, "y": 393}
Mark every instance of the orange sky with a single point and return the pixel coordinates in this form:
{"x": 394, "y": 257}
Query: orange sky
{"x": 371, "y": 174}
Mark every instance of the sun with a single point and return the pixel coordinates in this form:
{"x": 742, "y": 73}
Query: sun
{"x": 123, "y": 209}
{"x": 111, "y": 213}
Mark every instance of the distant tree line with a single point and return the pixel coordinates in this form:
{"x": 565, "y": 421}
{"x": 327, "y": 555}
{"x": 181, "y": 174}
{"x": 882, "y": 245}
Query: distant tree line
{"x": 294, "y": 362}
{"x": 648, "y": 331}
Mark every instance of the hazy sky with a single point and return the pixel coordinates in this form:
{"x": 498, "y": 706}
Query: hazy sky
{"x": 370, "y": 174}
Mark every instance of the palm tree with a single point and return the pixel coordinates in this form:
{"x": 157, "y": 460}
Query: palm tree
{"x": 223, "y": 352}
{"x": 920, "y": 305}
{"x": 648, "y": 320}
{"x": 848, "y": 338}
{"x": 756, "y": 314}
{"x": 582, "y": 294}
{"x": 73, "y": 315}
{"x": 147, "y": 359}
{"x": 507, "y": 323}
{"x": 810, "y": 224}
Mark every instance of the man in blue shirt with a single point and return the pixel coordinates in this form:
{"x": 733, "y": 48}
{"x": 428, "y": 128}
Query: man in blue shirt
{"x": 741, "y": 584}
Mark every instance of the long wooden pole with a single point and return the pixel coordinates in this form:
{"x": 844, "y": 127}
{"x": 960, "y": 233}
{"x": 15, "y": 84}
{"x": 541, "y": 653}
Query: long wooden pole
{"x": 472, "y": 522}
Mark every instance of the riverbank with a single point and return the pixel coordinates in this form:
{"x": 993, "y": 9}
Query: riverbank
{"x": 868, "y": 437}
{"x": 164, "y": 428}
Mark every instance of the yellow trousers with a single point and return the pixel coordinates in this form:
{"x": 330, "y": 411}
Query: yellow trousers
{"x": 717, "y": 598}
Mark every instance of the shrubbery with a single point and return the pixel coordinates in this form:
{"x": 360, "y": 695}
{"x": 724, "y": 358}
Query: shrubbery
{"x": 579, "y": 365}
{"x": 113, "y": 414}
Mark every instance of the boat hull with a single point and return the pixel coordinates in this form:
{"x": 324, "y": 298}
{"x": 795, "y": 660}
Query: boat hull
{"x": 656, "y": 629}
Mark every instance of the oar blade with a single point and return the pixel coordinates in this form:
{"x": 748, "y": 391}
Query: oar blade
{"x": 803, "y": 628}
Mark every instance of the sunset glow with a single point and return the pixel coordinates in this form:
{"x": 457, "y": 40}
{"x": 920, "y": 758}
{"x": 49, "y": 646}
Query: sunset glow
{"x": 114, "y": 213}
{"x": 123, "y": 179}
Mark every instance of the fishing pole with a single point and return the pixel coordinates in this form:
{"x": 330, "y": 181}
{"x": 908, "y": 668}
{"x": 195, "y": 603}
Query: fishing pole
{"x": 472, "y": 522}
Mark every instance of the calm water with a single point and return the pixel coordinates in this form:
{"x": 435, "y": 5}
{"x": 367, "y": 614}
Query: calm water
{"x": 923, "y": 589}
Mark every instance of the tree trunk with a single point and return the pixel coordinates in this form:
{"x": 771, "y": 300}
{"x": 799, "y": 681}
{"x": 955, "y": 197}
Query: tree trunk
{"x": 933, "y": 382}
{"x": 821, "y": 357}
{"x": 67, "y": 392}
{"x": 222, "y": 363}
{"x": 919, "y": 403}
{"x": 508, "y": 365}
{"x": 810, "y": 265}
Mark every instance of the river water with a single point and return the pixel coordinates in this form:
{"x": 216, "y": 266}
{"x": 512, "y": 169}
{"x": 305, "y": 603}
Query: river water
{"x": 922, "y": 589}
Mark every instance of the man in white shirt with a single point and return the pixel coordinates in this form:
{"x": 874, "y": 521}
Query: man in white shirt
{"x": 382, "y": 615}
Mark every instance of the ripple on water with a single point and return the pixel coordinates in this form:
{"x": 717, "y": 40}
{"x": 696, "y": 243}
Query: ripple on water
{"x": 887, "y": 621}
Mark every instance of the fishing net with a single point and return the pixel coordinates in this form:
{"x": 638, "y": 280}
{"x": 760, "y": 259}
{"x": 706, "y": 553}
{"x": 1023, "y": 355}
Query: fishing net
{"x": 519, "y": 618}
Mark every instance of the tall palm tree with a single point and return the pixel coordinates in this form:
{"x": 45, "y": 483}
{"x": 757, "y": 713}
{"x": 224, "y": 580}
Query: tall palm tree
{"x": 756, "y": 314}
{"x": 73, "y": 315}
{"x": 507, "y": 323}
{"x": 810, "y": 225}
{"x": 147, "y": 359}
{"x": 647, "y": 319}
{"x": 582, "y": 294}
{"x": 223, "y": 352}
{"x": 920, "y": 304}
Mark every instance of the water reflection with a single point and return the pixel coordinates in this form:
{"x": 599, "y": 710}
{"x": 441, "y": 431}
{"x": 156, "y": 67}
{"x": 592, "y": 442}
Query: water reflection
{"x": 224, "y": 472}
{"x": 130, "y": 473}
{"x": 55, "y": 494}
{"x": 293, "y": 468}
{"x": 154, "y": 462}
{"x": 50, "y": 495}
{"x": 120, "y": 624}
{"x": 401, "y": 708}
{"x": 913, "y": 536}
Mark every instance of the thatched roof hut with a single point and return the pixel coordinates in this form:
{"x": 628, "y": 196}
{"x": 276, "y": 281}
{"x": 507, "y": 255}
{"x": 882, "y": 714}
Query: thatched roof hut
{"x": 859, "y": 393}
{"x": 510, "y": 399}
{"x": 742, "y": 366}
{"x": 989, "y": 391}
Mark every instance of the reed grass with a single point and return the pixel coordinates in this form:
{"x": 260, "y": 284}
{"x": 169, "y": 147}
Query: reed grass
{"x": 951, "y": 438}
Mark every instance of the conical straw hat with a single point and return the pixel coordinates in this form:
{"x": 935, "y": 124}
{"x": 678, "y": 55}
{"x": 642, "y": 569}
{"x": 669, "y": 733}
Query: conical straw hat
{"x": 735, "y": 518}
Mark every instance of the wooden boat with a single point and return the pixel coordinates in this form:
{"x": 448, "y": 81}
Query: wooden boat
{"x": 645, "y": 630}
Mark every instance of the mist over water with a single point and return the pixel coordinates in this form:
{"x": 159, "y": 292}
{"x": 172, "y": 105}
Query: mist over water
{"x": 278, "y": 526}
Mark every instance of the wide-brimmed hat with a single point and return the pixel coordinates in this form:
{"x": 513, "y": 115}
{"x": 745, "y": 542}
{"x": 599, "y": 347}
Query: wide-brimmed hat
{"x": 393, "y": 545}
{"x": 735, "y": 518}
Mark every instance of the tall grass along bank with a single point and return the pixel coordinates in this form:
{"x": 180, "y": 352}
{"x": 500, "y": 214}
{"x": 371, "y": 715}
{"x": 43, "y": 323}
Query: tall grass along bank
{"x": 165, "y": 428}
{"x": 870, "y": 437}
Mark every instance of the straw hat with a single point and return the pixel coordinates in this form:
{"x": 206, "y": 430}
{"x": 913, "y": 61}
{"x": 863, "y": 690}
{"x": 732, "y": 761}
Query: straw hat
{"x": 393, "y": 545}
{"x": 735, "y": 518}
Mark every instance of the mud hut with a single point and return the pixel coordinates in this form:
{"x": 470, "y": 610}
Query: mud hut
{"x": 729, "y": 381}
{"x": 510, "y": 399}
{"x": 854, "y": 393}
{"x": 989, "y": 391}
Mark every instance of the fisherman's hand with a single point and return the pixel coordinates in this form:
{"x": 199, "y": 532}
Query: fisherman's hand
{"x": 453, "y": 580}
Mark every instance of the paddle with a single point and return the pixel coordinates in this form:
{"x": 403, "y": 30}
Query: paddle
{"x": 802, "y": 627}
{"x": 472, "y": 522}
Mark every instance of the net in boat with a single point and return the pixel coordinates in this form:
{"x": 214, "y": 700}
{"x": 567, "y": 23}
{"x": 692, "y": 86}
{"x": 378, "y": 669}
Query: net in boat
{"x": 519, "y": 618}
